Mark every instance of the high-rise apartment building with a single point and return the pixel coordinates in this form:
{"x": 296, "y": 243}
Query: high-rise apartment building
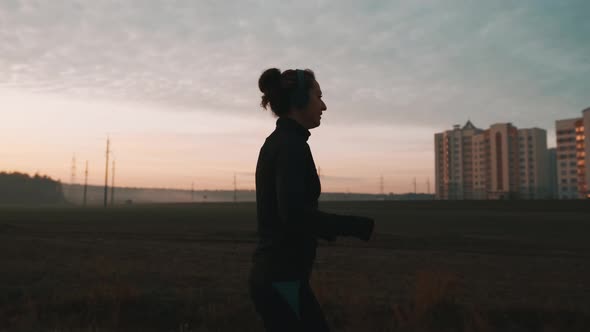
{"x": 567, "y": 169}
{"x": 501, "y": 162}
{"x": 573, "y": 157}
{"x": 453, "y": 162}
{"x": 534, "y": 165}
{"x": 495, "y": 153}
{"x": 584, "y": 151}
{"x": 482, "y": 172}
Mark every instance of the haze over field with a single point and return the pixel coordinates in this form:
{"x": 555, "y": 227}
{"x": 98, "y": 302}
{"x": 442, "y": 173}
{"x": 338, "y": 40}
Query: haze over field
{"x": 174, "y": 83}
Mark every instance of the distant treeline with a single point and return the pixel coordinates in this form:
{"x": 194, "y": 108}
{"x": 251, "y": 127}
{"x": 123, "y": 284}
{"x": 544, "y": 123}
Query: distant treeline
{"x": 127, "y": 195}
{"x": 23, "y": 189}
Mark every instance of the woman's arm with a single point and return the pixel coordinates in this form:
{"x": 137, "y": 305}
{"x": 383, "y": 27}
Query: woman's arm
{"x": 297, "y": 218}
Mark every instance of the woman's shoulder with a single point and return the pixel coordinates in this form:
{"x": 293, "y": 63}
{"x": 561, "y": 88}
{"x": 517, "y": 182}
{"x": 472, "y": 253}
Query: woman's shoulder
{"x": 285, "y": 140}
{"x": 283, "y": 145}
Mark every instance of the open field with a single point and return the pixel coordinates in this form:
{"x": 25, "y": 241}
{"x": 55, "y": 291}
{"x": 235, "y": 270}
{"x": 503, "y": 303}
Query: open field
{"x": 432, "y": 266}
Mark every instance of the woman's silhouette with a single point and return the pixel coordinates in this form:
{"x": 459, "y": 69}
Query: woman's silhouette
{"x": 287, "y": 192}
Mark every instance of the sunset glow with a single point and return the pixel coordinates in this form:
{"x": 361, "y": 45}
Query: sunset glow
{"x": 176, "y": 90}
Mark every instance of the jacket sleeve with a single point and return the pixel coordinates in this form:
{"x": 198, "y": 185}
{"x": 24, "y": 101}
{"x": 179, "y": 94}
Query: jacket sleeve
{"x": 295, "y": 215}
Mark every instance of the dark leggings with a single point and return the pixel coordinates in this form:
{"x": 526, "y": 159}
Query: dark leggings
{"x": 278, "y": 315}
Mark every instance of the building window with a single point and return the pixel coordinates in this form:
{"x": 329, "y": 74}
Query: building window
{"x": 566, "y": 140}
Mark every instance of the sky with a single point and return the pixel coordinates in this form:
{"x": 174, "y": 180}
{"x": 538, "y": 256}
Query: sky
{"x": 174, "y": 83}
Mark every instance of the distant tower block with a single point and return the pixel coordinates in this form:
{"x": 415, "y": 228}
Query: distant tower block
{"x": 73, "y": 179}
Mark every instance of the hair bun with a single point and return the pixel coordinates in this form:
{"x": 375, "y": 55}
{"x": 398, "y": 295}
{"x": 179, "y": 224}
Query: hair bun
{"x": 269, "y": 81}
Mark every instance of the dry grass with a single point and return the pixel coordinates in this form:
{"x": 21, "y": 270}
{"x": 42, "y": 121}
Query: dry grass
{"x": 185, "y": 269}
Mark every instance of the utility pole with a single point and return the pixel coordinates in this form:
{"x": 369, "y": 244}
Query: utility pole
{"x": 73, "y": 179}
{"x": 85, "y": 183}
{"x": 235, "y": 189}
{"x": 106, "y": 174}
{"x": 415, "y": 186}
{"x": 113, "y": 185}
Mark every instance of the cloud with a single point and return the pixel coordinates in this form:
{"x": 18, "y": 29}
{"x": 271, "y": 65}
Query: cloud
{"x": 424, "y": 63}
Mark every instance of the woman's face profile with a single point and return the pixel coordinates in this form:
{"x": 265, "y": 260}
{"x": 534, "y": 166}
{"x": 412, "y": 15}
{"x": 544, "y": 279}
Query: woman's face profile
{"x": 311, "y": 115}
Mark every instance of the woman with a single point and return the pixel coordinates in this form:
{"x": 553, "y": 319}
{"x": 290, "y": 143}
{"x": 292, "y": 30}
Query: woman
{"x": 287, "y": 192}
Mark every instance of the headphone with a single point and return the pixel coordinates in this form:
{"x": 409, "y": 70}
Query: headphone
{"x": 300, "y": 97}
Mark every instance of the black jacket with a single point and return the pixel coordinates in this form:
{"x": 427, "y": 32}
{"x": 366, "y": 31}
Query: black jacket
{"x": 287, "y": 192}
